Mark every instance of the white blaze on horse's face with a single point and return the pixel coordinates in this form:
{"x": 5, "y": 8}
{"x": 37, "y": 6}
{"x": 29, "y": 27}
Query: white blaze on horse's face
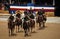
{"x": 12, "y": 14}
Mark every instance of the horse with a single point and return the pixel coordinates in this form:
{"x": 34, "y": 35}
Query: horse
{"x": 40, "y": 21}
{"x": 44, "y": 20}
{"x": 18, "y": 22}
{"x": 32, "y": 24}
{"x": 26, "y": 27}
{"x": 32, "y": 21}
{"x": 11, "y": 27}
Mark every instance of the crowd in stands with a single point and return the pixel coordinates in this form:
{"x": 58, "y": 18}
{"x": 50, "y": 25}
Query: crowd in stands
{"x": 5, "y": 4}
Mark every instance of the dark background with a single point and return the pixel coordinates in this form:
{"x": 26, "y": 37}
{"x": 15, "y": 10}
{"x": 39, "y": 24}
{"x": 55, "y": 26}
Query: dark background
{"x": 57, "y": 7}
{"x": 41, "y": 2}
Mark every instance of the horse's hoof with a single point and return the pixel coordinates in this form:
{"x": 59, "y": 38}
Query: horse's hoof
{"x": 13, "y": 34}
{"x": 34, "y": 32}
{"x": 40, "y": 28}
{"x": 9, "y": 35}
{"x": 29, "y": 35}
{"x": 20, "y": 31}
{"x": 43, "y": 26}
{"x": 25, "y": 35}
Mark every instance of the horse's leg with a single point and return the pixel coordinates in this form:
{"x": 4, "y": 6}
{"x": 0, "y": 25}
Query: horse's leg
{"x": 25, "y": 30}
{"x": 31, "y": 29}
{"x": 34, "y": 26}
{"x": 43, "y": 24}
{"x": 18, "y": 28}
{"x": 21, "y": 27}
{"x": 39, "y": 25}
{"x": 12, "y": 31}
{"x": 9, "y": 32}
{"x": 21, "y": 24}
{"x": 29, "y": 26}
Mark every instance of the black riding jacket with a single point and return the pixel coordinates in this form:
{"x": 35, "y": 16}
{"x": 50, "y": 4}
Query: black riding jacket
{"x": 41, "y": 12}
{"x": 32, "y": 16}
{"x": 26, "y": 18}
{"x": 25, "y": 12}
{"x": 18, "y": 15}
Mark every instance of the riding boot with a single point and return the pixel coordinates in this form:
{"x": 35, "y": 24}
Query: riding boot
{"x": 43, "y": 24}
{"x": 25, "y": 33}
{"x": 39, "y": 25}
{"x": 31, "y": 30}
{"x": 11, "y": 32}
{"x": 18, "y": 28}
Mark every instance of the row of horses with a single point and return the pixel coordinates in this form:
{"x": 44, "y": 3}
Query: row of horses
{"x": 28, "y": 26}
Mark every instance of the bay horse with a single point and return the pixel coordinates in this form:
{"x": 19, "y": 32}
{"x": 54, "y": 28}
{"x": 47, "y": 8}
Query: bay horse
{"x": 11, "y": 27}
{"x": 18, "y": 22}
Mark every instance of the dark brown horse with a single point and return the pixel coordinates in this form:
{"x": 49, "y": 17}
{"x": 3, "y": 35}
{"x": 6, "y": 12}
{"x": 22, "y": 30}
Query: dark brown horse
{"x": 18, "y": 22}
{"x": 26, "y": 27}
{"x": 40, "y": 21}
{"x": 11, "y": 27}
{"x": 44, "y": 20}
{"x": 32, "y": 24}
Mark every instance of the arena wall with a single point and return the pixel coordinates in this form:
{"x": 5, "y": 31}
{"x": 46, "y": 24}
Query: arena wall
{"x": 48, "y": 14}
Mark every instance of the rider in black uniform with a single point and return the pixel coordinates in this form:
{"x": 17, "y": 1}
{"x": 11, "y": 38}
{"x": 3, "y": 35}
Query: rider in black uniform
{"x": 26, "y": 23}
{"x": 26, "y": 12}
{"x": 18, "y": 20}
{"x": 18, "y": 15}
{"x": 42, "y": 13}
{"x": 31, "y": 13}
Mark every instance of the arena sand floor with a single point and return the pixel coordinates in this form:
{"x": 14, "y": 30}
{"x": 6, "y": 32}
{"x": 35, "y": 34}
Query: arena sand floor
{"x": 51, "y": 31}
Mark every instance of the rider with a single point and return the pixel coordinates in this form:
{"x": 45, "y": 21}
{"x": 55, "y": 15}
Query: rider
{"x": 18, "y": 15}
{"x": 18, "y": 20}
{"x": 26, "y": 18}
{"x": 32, "y": 19}
{"x": 26, "y": 12}
{"x": 42, "y": 13}
{"x": 31, "y": 13}
{"x": 25, "y": 24}
{"x": 44, "y": 17}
